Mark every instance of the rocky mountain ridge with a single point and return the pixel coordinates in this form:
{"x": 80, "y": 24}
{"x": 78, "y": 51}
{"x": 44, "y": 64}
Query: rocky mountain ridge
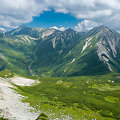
{"x": 49, "y": 52}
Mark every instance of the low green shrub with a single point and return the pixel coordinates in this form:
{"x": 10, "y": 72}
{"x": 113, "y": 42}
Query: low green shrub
{"x": 42, "y": 116}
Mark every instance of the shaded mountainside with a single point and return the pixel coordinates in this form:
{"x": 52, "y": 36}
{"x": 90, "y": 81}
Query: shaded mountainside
{"x": 49, "y": 52}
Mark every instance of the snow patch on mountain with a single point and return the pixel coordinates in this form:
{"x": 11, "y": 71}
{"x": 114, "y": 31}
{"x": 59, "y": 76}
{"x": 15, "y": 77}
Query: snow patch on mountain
{"x": 109, "y": 67}
{"x": 73, "y": 60}
{"x": 23, "y": 38}
{"x": 86, "y": 44}
{"x": 22, "y": 81}
{"x": 27, "y": 38}
{"x": 60, "y": 51}
{"x": 69, "y": 52}
{"x": 53, "y": 42}
{"x": 32, "y": 38}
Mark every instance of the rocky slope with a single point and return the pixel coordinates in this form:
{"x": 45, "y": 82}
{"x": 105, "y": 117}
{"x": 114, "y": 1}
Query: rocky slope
{"x": 11, "y": 105}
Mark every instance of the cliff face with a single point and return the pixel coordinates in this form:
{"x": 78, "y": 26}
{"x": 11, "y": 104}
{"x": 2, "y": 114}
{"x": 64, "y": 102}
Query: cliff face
{"x": 108, "y": 47}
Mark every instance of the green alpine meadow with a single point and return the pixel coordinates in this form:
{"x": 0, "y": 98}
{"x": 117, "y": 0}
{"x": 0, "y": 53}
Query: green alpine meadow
{"x": 76, "y": 74}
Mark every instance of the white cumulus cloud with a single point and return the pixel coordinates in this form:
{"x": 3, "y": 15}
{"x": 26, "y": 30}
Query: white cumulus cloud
{"x": 15, "y": 12}
{"x": 2, "y": 30}
{"x": 86, "y": 25}
{"x": 61, "y": 29}
{"x": 106, "y": 12}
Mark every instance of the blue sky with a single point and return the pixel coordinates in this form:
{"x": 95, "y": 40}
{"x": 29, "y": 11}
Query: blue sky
{"x": 49, "y": 19}
{"x": 61, "y": 14}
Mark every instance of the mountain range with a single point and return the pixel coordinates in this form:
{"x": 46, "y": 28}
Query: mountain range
{"x": 50, "y": 52}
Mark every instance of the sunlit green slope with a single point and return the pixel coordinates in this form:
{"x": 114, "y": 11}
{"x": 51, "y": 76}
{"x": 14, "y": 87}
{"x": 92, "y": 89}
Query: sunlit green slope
{"x": 49, "y": 52}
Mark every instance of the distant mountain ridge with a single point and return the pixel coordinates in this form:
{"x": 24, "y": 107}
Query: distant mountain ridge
{"x": 50, "y": 52}
{"x": 33, "y": 32}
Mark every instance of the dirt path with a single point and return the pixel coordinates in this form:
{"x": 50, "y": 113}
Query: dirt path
{"x": 11, "y": 105}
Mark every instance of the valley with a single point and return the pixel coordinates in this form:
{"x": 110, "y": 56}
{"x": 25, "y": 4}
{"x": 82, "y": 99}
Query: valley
{"x": 77, "y": 98}
{"x": 75, "y": 72}
{"x": 49, "y": 52}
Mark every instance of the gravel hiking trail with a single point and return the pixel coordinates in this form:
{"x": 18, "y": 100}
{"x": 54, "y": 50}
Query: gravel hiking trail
{"x": 11, "y": 105}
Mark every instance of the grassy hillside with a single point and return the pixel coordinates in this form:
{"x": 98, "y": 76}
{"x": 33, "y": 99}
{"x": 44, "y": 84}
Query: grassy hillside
{"x": 15, "y": 53}
{"x": 71, "y": 60}
{"x": 78, "y": 98}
